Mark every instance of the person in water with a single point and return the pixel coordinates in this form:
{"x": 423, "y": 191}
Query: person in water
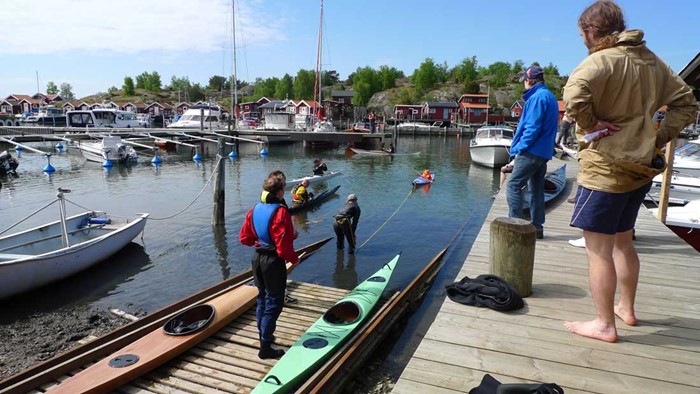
{"x": 268, "y": 227}
{"x": 300, "y": 193}
{"x": 391, "y": 148}
{"x": 319, "y": 167}
{"x": 345, "y": 223}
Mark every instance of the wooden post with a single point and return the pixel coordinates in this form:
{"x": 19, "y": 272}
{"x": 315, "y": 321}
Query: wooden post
{"x": 219, "y": 186}
{"x": 512, "y": 252}
{"x": 666, "y": 181}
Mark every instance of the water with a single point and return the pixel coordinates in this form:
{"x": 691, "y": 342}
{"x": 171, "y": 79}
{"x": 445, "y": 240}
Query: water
{"x": 181, "y": 253}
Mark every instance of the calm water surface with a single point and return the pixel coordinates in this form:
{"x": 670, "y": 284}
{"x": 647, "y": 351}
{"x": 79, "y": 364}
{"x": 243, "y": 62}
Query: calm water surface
{"x": 180, "y": 252}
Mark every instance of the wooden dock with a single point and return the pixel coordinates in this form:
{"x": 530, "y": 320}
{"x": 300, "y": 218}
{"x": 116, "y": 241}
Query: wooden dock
{"x": 228, "y": 361}
{"x": 660, "y": 355}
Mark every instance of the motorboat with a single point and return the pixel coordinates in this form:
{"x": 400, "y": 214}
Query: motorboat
{"x": 110, "y": 148}
{"x": 8, "y": 164}
{"x": 56, "y": 250}
{"x": 686, "y": 159}
{"x": 684, "y": 221}
{"x": 490, "y": 146}
{"x": 200, "y": 117}
{"x": 47, "y": 116}
{"x": 683, "y": 188}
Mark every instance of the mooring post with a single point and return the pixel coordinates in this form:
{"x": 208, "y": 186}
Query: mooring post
{"x": 512, "y": 252}
{"x": 219, "y": 186}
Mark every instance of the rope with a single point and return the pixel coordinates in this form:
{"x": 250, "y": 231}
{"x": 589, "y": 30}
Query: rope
{"x": 35, "y": 212}
{"x": 389, "y": 218}
{"x": 175, "y": 214}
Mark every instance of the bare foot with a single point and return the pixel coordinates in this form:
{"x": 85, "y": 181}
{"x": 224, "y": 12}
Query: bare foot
{"x": 592, "y": 329}
{"x": 628, "y": 317}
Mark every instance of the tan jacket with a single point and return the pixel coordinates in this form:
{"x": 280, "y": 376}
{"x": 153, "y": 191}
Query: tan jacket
{"x": 625, "y": 85}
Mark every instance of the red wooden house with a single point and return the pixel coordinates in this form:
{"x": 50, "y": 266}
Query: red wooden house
{"x": 407, "y": 111}
{"x": 473, "y": 108}
{"x": 439, "y": 110}
{"x": 516, "y": 110}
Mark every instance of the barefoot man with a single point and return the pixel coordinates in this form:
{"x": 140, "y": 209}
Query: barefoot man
{"x": 616, "y": 90}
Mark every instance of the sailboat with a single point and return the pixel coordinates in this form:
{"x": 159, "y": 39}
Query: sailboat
{"x": 320, "y": 125}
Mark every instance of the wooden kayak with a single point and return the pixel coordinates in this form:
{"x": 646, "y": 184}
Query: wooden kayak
{"x": 314, "y": 178}
{"x": 327, "y": 334}
{"x": 317, "y": 199}
{"x": 178, "y": 334}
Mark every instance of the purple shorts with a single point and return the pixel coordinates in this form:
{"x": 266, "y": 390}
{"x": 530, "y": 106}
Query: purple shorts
{"x": 607, "y": 213}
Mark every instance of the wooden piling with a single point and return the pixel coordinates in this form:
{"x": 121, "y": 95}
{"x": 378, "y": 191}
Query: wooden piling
{"x": 219, "y": 187}
{"x": 512, "y": 252}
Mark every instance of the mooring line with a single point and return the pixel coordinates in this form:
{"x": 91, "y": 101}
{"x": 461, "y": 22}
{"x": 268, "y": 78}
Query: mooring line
{"x": 175, "y": 214}
{"x": 389, "y": 218}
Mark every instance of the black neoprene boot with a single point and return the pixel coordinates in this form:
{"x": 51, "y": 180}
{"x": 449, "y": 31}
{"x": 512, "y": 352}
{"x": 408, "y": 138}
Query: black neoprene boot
{"x": 267, "y": 352}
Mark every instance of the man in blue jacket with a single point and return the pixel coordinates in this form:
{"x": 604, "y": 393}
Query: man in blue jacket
{"x": 532, "y": 147}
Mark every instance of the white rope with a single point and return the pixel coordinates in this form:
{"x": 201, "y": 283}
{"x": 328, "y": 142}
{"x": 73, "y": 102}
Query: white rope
{"x": 389, "y": 218}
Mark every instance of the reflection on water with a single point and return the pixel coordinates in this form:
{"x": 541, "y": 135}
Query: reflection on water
{"x": 344, "y": 276}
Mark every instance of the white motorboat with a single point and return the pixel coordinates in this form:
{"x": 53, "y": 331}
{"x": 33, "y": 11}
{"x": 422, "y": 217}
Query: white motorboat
{"x": 490, "y": 146}
{"x": 200, "y": 117}
{"x": 102, "y": 118}
{"x": 56, "y": 250}
{"x": 110, "y": 148}
{"x": 683, "y": 188}
{"x": 684, "y": 221}
{"x": 314, "y": 178}
{"x": 686, "y": 159}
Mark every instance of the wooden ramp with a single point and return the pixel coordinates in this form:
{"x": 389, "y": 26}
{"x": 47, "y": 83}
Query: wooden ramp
{"x": 228, "y": 361}
{"x": 660, "y": 355}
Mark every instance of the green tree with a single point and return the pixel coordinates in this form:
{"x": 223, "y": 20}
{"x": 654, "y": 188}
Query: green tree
{"x": 264, "y": 87}
{"x": 217, "y": 83}
{"x": 196, "y": 92}
{"x": 142, "y": 80}
{"x": 467, "y": 73}
{"x": 551, "y": 70}
{"x": 303, "y": 87}
{"x": 51, "y": 88}
{"x": 518, "y": 67}
{"x": 154, "y": 83}
{"x": 128, "y": 86}
{"x": 180, "y": 84}
{"x": 67, "y": 91}
{"x": 365, "y": 83}
{"x": 388, "y": 76}
{"x": 113, "y": 91}
{"x": 283, "y": 88}
{"x": 499, "y": 74}
{"x": 427, "y": 75}
{"x": 329, "y": 78}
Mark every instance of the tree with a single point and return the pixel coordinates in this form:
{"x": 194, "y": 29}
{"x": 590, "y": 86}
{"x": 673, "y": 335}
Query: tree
{"x": 128, "y": 86}
{"x": 141, "y": 80}
{"x": 196, "y": 92}
{"x": 303, "y": 87}
{"x": 518, "y": 67}
{"x": 427, "y": 75}
{"x": 329, "y": 78}
{"x": 51, "y": 88}
{"x": 365, "y": 83}
{"x": 499, "y": 74}
{"x": 154, "y": 83}
{"x": 67, "y": 91}
{"x": 388, "y": 76}
{"x": 467, "y": 73}
{"x": 217, "y": 83}
{"x": 113, "y": 91}
{"x": 551, "y": 70}
{"x": 264, "y": 87}
{"x": 283, "y": 88}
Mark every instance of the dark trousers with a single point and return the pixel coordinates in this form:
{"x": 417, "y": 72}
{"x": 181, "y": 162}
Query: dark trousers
{"x": 270, "y": 274}
{"x": 343, "y": 230}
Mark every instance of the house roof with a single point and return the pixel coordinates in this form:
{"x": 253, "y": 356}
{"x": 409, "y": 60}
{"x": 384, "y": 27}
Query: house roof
{"x": 691, "y": 75}
{"x": 475, "y": 105}
{"x": 518, "y": 103}
{"x": 443, "y": 104}
{"x": 342, "y": 93}
{"x": 409, "y": 106}
{"x": 274, "y": 104}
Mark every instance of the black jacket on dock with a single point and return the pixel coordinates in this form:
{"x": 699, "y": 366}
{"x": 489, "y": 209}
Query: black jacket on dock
{"x": 488, "y": 291}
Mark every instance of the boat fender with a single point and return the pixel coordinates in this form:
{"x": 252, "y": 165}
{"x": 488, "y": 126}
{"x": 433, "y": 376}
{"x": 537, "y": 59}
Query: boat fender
{"x": 100, "y": 221}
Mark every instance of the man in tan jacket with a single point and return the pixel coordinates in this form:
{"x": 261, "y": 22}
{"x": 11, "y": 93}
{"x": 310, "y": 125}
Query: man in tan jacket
{"x": 613, "y": 95}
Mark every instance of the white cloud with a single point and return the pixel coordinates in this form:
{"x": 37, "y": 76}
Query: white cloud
{"x": 133, "y": 26}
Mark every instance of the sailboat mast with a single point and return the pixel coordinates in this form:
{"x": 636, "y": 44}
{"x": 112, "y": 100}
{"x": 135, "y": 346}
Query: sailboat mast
{"x": 234, "y": 84}
{"x": 317, "y": 82}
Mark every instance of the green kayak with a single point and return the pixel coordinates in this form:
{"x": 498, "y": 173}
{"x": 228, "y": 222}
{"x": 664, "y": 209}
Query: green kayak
{"x": 327, "y": 334}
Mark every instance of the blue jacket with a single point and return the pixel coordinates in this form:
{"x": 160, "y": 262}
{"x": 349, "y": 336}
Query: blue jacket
{"x": 538, "y": 124}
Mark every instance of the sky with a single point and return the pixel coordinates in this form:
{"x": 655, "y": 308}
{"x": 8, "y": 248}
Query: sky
{"x": 94, "y": 44}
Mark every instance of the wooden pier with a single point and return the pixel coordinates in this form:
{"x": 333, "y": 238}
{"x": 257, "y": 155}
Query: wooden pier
{"x": 228, "y": 362}
{"x": 660, "y": 355}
